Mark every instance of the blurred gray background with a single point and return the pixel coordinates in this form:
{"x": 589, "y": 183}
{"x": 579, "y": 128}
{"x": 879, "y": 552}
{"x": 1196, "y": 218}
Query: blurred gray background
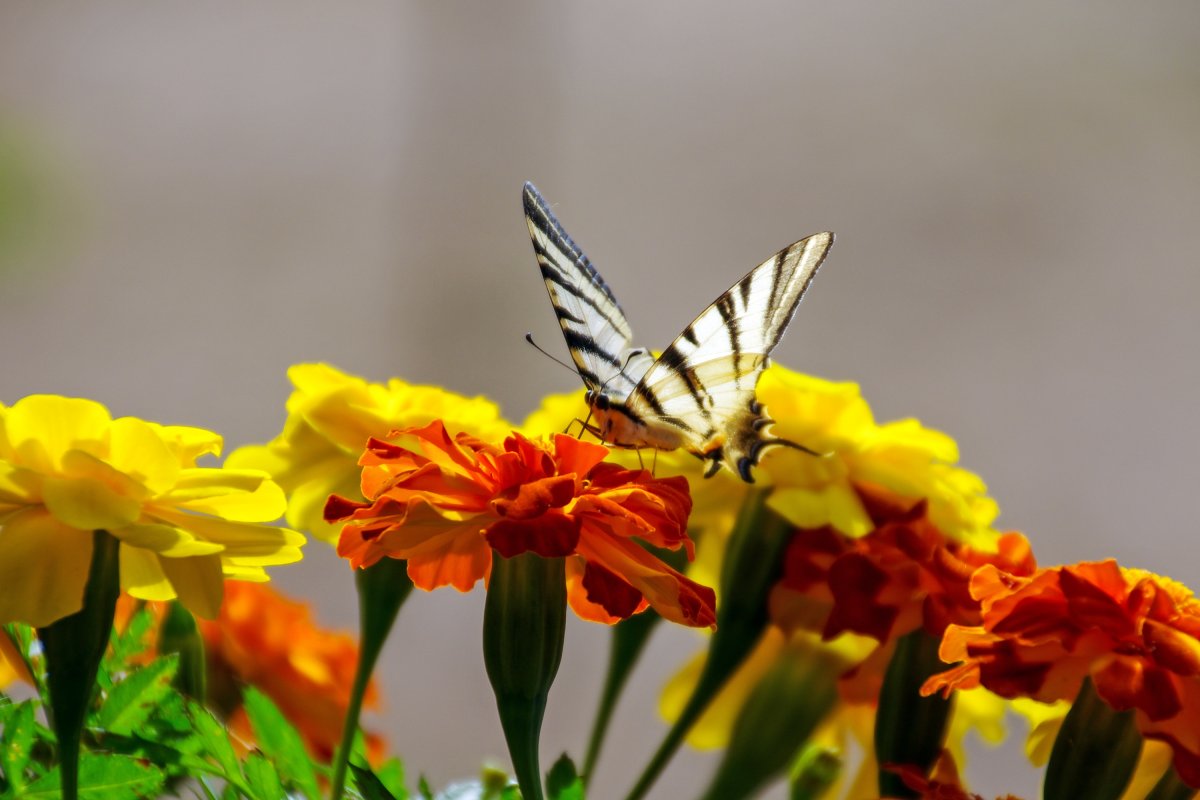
{"x": 210, "y": 192}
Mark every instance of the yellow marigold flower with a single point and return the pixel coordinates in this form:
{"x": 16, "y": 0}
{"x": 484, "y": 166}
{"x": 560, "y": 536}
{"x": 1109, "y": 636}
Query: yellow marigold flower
{"x": 331, "y": 415}
{"x": 68, "y": 468}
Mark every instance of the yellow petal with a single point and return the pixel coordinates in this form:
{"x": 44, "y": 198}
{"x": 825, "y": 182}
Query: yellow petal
{"x": 41, "y": 428}
{"x": 238, "y": 495}
{"x": 165, "y": 540}
{"x": 198, "y": 581}
{"x": 43, "y": 568}
{"x": 246, "y": 543}
{"x": 142, "y": 577}
{"x": 88, "y": 504}
{"x": 19, "y": 486}
{"x": 137, "y": 449}
{"x": 189, "y": 444}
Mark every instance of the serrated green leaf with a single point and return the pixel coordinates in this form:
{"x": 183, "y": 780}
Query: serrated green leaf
{"x": 280, "y": 742}
{"x": 16, "y": 744}
{"x": 262, "y": 778}
{"x": 134, "y": 699}
{"x": 369, "y": 785}
{"x": 563, "y": 781}
{"x": 214, "y": 740}
{"x": 106, "y": 777}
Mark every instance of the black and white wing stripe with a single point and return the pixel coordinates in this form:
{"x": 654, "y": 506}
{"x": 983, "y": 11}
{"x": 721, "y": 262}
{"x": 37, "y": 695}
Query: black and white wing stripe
{"x": 704, "y": 382}
{"x": 597, "y": 334}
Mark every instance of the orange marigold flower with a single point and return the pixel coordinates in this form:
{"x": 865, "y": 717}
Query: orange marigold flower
{"x": 1137, "y": 635}
{"x": 445, "y": 503}
{"x": 266, "y": 640}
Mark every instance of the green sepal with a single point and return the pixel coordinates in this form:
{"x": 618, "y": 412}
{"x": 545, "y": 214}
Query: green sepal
{"x": 814, "y": 772}
{"x": 524, "y": 626}
{"x": 753, "y": 564}
{"x": 74, "y": 647}
{"x": 382, "y": 589}
{"x": 180, "y": 634}
{"x": 1095, "y": 752}
{"x": 779, "y": 715}
{"x": 910, "y": 729}
{"x": 369, "y": 785}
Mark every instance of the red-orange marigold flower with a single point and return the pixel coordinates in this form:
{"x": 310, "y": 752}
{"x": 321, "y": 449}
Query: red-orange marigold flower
{"x": 445, "y": 503}
{"x": 943, "y": 782}
{"x": 1137, "y": 635}
{"x": 903, "y": 575}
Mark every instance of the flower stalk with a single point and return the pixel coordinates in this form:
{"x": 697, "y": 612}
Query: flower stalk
{"x": 74, "y": 646}
{"x": 382, "y": 589}
{"x": 524, "y": 627}
{"x": 752, "y": 565}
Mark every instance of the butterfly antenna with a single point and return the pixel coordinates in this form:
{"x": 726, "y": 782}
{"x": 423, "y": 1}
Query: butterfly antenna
{"x": 559, "y": 361}
{"x": 639, "y": 351}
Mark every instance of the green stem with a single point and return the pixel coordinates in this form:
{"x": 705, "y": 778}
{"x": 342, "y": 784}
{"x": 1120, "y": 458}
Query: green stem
{"x": 627, "y": 641}
{"x": 1095, "y": 751}
{"x": 1171, "y": 787}
{"x": 74, "y": 646}
{"x": 753, "y": 563}
{"x": 382, "y": 589}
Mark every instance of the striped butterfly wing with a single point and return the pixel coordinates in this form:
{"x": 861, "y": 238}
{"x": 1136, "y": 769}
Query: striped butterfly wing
{"x": 703, "y": 384}
{"x": 597, "y": 333}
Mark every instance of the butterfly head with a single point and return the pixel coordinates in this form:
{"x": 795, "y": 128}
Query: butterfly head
{"x": 597, "y": 399}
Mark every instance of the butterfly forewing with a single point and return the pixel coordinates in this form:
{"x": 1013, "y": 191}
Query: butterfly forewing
{"x": 597, "y": 333}
{"x": 706, "y": 378}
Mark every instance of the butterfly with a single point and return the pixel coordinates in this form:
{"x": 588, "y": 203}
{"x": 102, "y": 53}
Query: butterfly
{"x": 698, "y": 394}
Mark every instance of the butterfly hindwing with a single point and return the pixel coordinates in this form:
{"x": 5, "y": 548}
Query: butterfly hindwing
{"x": 704, "y": 382}
{"x": 597, "y": 333}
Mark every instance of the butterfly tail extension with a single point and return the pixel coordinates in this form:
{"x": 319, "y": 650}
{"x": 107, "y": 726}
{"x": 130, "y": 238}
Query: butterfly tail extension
{"x": 748, "y": 439}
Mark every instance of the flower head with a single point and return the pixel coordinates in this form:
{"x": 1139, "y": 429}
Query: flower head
{"x": 445, "y": 503}
{"x": 330, "y": 417}
{"x": 903, "y": 575}
{"x": 1135, "y": 634}
{"x": 68, "y": 468}
{"x": 266, "y": 640}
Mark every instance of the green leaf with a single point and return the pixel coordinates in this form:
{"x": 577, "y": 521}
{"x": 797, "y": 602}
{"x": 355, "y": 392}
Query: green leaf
{"x": 16, "y": 744}
{"x": 424, "y": 789}
{"x": 262, "y": 778}
{"x": 102, "y": 777}
{"x": 129, "y": 643}
{"x": 280, "y": 742}
{"x": 391, "y": 774}
{"x": 369, "y": 784}
{"x": 22, "y": 636}
{"x": 563, "y": 781}
{"x": 214, "y": 740}
{"x": 131, "y": 702}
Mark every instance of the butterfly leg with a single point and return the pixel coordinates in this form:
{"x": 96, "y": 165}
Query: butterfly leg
{"x": 654, "y": 464}
{"x": 641, "y": 463}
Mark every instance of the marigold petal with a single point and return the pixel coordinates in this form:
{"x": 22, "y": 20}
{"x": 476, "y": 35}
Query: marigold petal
{"x": 673, "y": 596}
{"x": 536, "y": 498}
{"x": 166, "y": 540}
{"x": 198, "y": 582}
{"x": 235, "y": 495}
{"x": 136, "y": 448}
{"x": 605, "y": 588}
{"x": 551, "y": 535}
{"x": 43, "y": 567}
{"x": 246, "y": 542}
{"x": 40, "y": 429}
{"x": 142, "y": 575}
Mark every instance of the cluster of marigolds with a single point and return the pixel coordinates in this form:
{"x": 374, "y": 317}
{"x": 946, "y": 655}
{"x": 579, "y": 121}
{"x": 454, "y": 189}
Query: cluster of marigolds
{"x": 879, "y": 552}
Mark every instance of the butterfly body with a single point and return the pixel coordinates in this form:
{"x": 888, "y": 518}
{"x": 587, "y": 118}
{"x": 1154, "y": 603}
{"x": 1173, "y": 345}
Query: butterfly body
{"x": 699, "y": 394}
